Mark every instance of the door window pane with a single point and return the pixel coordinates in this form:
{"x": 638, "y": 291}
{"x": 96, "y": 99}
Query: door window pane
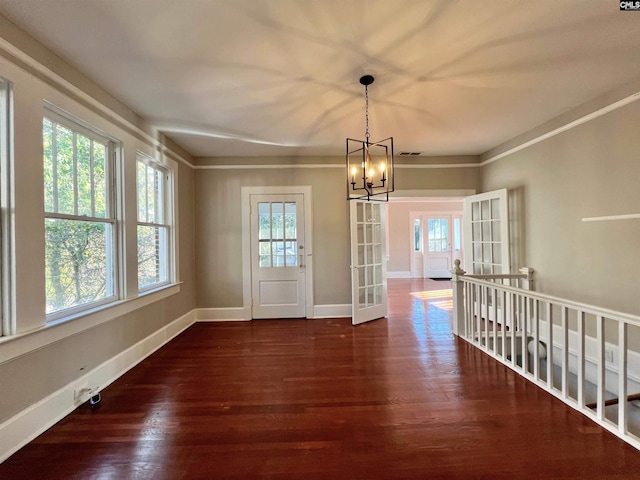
{"x": 438, "y": 234}
{"x": 277, "y": 234}
{"x": 277, "y": 220}
{"x": 264, "y": 220}
{"x": 290, "y": 220}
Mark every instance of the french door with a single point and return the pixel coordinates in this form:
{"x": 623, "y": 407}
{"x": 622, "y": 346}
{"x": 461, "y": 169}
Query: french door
{"x": 277, "y": 256}
{"x": 486, "y": 233}
{"x": 368, "y": 261}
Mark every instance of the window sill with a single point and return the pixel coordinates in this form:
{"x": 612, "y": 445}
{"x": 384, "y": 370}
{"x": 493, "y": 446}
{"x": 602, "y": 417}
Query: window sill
{"x": 54, "y": 331}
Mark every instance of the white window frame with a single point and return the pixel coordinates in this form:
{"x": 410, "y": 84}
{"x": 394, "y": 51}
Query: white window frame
{"x": 166, "y": 265}
{"x": 111, "y": 217}
{"x": 7, "y": 264}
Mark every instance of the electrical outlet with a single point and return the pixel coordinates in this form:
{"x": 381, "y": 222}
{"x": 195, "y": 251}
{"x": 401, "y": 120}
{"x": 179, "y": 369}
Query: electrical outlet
{"x": 84, "y": 393}
{"x": 81, "y": 394}
{"x": 608, "y": 356}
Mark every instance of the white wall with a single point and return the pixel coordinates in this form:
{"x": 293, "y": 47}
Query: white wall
{"x": 400, "y": 247}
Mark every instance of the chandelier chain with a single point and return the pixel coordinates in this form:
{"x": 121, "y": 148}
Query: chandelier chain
{"x": 366, "y": 113}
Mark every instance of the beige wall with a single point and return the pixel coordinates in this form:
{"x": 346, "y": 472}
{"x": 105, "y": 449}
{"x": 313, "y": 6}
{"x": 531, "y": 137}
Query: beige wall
{"x": 589, "y": 171}
{"x": 219, "y": 230}
{"x": 35, "y": 374}
{"x": 219, "y": 225}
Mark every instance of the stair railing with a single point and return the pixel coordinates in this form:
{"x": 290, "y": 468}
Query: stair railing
{"x": 579, "y": 353}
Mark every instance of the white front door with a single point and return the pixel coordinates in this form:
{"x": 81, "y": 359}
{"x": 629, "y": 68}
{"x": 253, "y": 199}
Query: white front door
{"x": 438, "y": 235}
{"x": 277, "y": 256}
{"x": 368, "y": 261}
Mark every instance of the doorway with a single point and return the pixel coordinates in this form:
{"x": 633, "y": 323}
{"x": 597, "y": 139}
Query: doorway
{"x": 277, "y": 252}
{"x": 441, "y": 243}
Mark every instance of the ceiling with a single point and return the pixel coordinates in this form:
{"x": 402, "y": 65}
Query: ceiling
{"x": 280, "y": 77}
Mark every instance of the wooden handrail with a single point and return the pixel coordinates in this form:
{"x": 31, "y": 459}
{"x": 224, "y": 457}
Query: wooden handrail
{"x": 614, "y": 401}
{"x": 498, "y": 276}
{"x": 582, "y": 307}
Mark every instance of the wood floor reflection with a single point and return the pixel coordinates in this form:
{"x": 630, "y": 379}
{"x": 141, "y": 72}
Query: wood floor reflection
{"x": 319, "y": 399}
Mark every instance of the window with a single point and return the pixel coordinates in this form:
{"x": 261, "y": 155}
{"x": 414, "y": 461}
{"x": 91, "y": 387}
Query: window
{"x": 417, "y": 241}
{"x": 80, "y": 223}
{"x": 457, "y": 235}
{"x": 153, "y": 223}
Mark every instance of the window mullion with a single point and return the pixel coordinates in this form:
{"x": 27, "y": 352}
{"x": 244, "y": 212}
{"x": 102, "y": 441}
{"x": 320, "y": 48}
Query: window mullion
{"x": 74, "y": 164}
{"x": 271, "y": 231}
{"x": 79, "y": 218}
{"x": 146, "y": 192}
{"x": 92, "y": 179}
{"x": 54, "y": 163}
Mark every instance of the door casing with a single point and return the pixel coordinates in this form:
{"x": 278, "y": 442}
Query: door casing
{"x": 245, "y": 195}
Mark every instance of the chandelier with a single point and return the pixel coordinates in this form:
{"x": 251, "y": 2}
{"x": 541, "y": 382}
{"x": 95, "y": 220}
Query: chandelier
{"x": 369, "y": 164}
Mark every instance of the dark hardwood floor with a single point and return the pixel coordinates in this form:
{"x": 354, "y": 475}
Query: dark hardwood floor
{"x": 320, "y": 399}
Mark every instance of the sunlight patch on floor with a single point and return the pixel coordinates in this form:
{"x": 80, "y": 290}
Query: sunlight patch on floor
{"x": 443, "y": 304}
{"x": 433, "y": 294}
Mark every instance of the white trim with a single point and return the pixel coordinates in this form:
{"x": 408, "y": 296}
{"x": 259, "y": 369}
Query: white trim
{"x": 245, "y": 195}
{"x": 22, "y": 343}
{"x": 239, "y": 314}
{"x": 268, "y": 166}
{"x": 23, "y": 427}
{"x": 630, "y": 216}
{"x": 399, "y": 274}
{"x": 231, "y": 314}
{"x": 438, "y": 165}
{"x": 579, "y": 121}
{"x": 62, "y": 84}
{"x": 332, "y": 311}
{"x": 430, "y": 195}
{"x": 272, "y": 166}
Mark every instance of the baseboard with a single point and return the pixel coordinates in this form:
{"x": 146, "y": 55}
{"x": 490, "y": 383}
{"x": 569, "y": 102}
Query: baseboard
{"x": 231, "y": 314}
{"x": 332, "y": 311}
{"x": 399, "y": 274}
{"x": 32, "y": 421}
{"x": 591, "y": 359}
{"x": 238, "y": 314}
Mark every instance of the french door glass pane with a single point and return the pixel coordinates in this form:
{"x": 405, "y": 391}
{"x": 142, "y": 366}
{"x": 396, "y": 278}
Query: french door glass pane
{"x": 369, "y": 254}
